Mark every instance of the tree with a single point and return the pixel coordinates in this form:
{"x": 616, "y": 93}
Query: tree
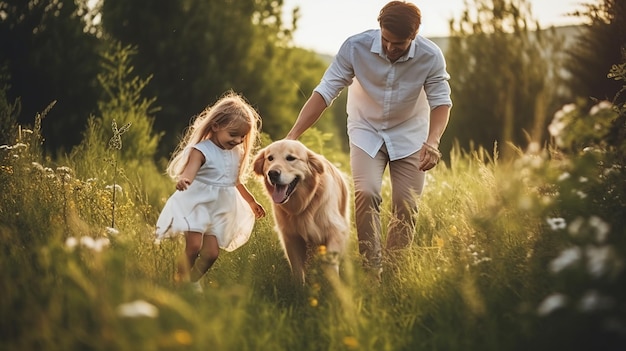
{"x": 597, "y": 49}
{"x": 196, "y": 50}
{"x": 8, "y": 111}
{"x": 50, "y": 58}
{"x": 503, "y": 71}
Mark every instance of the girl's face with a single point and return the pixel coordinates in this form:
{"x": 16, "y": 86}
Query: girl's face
{"x": 227, "y": 137}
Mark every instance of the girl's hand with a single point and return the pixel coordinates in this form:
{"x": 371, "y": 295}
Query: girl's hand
{"x": 257, "y": 209}
{"x": 183, "y": 184}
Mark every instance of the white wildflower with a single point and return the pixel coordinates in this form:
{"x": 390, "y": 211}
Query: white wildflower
{"x": 589, "y": 149}
{"x": 37, "y": 166}
{"x": 87, "y": 241}
{"x": 583, "y": 179}
{"x": 602, "y": 105}
{"x": 551, "y": 304}
{"x": 567, "y": 258}
{"x": 568, "y": 108}
{"x": 71, "y": 243}
{"x": 94, "y": 244}
{"x": 594, "y": 301}
{"x": 556, "y": 128}
{"x": 581, "y": 194}
{"x": 556, "y": 223}
{"x": 563, "y": 176}
{"x": 533, "y": 148}
{"x": 610, "y": 170}
{"x": 112, "y": 231}
{"x": 137, "y": 308}
{"x": 559, "y": 123}
{"x": 575, "y": 226}
{"x": 598, "y": 260}
{"x": 101, "y": 243}
{"x": 600, "y": 227}
{"x": 65, "y": 170}
{"x": 118, "y": 188}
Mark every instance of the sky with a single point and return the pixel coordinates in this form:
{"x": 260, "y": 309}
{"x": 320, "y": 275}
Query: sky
{"x": 324, "y": 24}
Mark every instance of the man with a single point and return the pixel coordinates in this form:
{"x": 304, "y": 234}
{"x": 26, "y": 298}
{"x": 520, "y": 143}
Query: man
{"x": 398, "y": 108}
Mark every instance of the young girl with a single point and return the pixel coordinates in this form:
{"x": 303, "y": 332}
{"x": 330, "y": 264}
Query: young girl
{"x": 211, "y": 205}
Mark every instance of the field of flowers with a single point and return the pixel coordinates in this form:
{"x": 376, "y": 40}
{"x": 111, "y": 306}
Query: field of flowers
{"x": 523, "y": 254}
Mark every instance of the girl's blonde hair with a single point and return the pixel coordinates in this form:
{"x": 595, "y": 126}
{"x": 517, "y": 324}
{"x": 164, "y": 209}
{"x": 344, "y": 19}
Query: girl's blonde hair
{"x": 230, "y": 110}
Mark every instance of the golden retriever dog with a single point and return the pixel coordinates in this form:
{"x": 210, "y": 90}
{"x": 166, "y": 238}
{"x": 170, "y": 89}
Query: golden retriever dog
{"x": 310, "y": 201}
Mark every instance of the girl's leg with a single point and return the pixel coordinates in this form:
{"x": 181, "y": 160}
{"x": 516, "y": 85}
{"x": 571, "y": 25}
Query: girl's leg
{"x": 193, "y": 244}
{"x": 209, "y": 252}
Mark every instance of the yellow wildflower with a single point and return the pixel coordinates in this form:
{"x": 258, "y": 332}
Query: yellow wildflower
{"x": 321, "y": 250}
{"x": 182, "y": 337}
{"x": 351, "y": 342}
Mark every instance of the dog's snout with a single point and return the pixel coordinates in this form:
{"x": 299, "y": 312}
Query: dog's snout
{"x": 274, "y": 175}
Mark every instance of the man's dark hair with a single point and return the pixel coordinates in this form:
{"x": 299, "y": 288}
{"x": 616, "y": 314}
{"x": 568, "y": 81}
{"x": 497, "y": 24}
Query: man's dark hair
{"x": 401, "y": 18}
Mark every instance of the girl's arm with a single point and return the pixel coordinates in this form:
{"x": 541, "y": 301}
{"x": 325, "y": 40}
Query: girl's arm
{"x": 257, "y": 209}
{"x": 196, "y": 159}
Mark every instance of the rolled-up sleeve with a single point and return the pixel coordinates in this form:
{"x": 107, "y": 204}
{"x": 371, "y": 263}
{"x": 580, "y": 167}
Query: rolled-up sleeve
{"x": 436, "y": 85}
{"x": 338, "y": 75}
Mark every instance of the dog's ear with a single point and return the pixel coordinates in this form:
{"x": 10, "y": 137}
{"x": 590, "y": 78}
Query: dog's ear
{"x": 315, "y": 162}
{"x": 257, "y": 164}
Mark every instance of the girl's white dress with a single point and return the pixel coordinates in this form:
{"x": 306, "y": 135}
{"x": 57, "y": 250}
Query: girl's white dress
{"x": 211, "y": 204}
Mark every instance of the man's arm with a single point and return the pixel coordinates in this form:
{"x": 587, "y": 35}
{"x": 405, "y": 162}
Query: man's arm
{"x": 309, "y": 114}
{"x": 429, "y": 153}
{"x": 439, "y": 117}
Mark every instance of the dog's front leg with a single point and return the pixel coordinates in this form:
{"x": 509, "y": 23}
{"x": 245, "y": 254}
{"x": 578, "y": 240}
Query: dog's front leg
{"x": 335, "y": 246}
{"x": 295, "y": 248}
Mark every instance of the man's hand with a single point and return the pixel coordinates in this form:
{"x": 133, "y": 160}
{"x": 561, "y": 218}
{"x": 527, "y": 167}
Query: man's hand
{"x": 429, "y": 157}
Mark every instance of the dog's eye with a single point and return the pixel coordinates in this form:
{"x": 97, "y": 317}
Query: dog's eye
{"x": 270, "y": 158}
{"x": 290, "y": 158}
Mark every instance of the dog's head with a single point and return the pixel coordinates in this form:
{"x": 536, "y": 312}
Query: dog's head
{"x": 286, "y": 165}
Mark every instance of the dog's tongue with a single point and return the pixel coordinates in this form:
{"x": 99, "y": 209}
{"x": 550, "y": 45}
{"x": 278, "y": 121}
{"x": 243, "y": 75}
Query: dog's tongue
{"x": 279, "y": 194}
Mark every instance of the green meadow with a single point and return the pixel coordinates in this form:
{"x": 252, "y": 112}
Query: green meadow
{"x": 523, "y": 254}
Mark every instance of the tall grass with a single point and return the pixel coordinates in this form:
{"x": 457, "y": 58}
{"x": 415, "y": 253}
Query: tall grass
{"x": 521, "y": 255}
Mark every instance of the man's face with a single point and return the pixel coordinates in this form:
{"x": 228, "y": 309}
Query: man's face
{"x": 393, "y": 46}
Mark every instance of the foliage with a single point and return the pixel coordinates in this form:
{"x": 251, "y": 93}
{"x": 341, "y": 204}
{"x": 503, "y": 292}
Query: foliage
{"x": 49, "y": 58}
{"x": 504, "y": 73}
{"x": 573, "y": 129}
{"x": 122, "y": 104}
{"x": 514, "y": 255}
{"x": 617, "y": 133}
{"x": 208, "y": 47}
{"x": 8, "y": 110}
{"x": 596, "y": 50}
{"x": 525, "y": 253}
{"x": 589, "y": 271}
{"x": 193, "y": 51}
{"x": 602, "y": 128}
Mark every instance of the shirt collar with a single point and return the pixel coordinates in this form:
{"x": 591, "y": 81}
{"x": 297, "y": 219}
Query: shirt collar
{"x": 377, "y": 48}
